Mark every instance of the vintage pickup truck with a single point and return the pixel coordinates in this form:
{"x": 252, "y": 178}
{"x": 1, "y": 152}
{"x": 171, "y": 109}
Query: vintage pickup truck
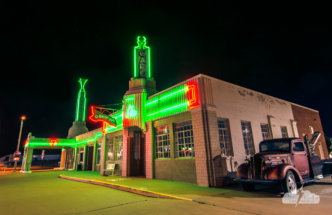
{"x": 285, "y": 161}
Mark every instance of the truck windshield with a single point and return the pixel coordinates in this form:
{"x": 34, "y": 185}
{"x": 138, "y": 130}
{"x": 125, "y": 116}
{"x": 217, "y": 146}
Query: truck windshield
{"x": 274, "y": 146}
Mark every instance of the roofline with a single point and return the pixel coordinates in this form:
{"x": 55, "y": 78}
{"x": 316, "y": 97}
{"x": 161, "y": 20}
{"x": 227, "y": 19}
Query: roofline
{"x": 206, "y": 76}
{"x": 183, "y": 82}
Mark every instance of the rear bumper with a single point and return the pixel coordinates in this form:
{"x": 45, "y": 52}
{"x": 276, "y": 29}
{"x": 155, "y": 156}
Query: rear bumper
{"x": 257, "y": 181}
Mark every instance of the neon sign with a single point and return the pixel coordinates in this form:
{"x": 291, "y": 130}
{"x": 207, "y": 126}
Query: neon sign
{"x": 53, "y": 142}
{"x": 142, "y": 62}
{"x": 131, "y": 111}
{"x": 192, "y": 94}
{"x": 81, "y": 101}
{"x": 100, "y": 117}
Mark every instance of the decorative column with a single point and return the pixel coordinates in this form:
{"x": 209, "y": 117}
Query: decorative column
{"x": 28, "y": 152}
{"x": 63, "y": 159}
{"x": 103, "y": 154}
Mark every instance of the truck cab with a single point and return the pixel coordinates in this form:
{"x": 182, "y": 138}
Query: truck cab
{"x": 285, "y": 161}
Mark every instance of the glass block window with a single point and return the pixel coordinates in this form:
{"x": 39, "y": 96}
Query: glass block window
{"x": 224, "y": 137}
{"x": 265, "y": 131}
{"x": 119, "y": 148}
{"x": 162, "y": 142}
{"x": 109, "y": 149}
{"x": 184, "y": 139}
{"x": 284, "y": 131}
{"x": 247, "y": 138}
{"x": 98, "y": 154}
{"x": 136, "y": 146}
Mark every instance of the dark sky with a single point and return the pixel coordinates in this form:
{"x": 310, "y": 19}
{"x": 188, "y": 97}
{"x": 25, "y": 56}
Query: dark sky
{"x": 278, "y": 49}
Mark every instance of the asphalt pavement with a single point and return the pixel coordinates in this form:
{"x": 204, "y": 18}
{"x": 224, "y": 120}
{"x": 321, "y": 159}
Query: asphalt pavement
{"x": 45, "y": 193}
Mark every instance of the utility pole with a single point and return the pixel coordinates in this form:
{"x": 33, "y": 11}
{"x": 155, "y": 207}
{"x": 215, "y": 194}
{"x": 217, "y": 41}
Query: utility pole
{"x": 19, "y": 141}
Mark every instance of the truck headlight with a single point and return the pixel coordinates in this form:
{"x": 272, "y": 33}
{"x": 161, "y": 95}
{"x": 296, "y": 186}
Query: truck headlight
{"x": 246, "y": 162}
{"x": 268, "y": 162}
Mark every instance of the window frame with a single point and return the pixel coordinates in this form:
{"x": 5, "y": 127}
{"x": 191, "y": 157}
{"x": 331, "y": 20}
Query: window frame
{"x": 230, "y": 138}
{"x": 282, "y": 133}
{"x": 176, "y": 142}
{"x": 117, "y": 147}
{"x": 251, "y": 136}
{"x": 156, "y": 136}
{"x": 268, "y": 131}
{"x": 107, "y": 148}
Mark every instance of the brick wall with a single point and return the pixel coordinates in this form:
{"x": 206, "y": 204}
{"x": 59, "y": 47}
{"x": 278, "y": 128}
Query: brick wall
{"x": 200, "y": 150}
{"x": 175, "y": 169}
{"x": 182, "y": 170}
{"x": 305, "y": 118}
{"x": 148, "y": 151}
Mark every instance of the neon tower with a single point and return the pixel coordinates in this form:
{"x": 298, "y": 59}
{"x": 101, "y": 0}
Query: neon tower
{"x": 79, "y": 125}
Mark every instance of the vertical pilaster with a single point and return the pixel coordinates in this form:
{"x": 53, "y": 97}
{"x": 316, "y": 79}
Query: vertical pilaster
{"x": 103, "y": 154}
{"x": 63, "y": 159}
{"x": 125, "y": 153}
{"x": 27, "y": 166}
{"x": 200, "y": 149}
{"x": 75, "y": 158}
{"x": 85, "y": 159}
{"x": 149, "y": 137}
{"x": 95, "y": 150}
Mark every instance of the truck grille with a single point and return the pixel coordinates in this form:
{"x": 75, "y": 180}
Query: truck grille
{"x": 256, "y": 167}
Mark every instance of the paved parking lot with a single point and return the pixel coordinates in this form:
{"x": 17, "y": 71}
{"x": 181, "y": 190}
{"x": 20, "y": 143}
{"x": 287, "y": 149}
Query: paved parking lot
{"x": 45, "y": 193}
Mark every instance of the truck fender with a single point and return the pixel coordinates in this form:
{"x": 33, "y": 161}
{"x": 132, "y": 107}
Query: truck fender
{"x": 279, "y": 172}
{"x": 243, "y": 171}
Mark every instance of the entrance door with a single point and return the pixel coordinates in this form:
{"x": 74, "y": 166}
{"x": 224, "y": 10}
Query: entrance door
{"x": 89, "y": 158}
{"x": 137, "y": 155}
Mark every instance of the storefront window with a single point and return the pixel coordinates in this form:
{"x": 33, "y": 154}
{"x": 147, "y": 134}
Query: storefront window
{"x": 184, "y": 138}
{"x": 98, "y": 154}
{"x": 119, "y": 150}
{"x": 109, "y": 148}
{"x": 162, "y": 142}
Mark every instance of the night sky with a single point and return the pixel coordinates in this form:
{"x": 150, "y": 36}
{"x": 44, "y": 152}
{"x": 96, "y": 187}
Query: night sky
{"x": 281, "y": 50}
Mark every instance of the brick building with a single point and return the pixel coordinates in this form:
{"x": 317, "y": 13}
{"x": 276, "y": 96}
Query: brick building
{"x": 197, "y": 131}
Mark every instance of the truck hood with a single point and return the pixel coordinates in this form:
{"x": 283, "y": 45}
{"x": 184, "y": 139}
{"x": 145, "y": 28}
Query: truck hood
{"x": 272, "y": 153}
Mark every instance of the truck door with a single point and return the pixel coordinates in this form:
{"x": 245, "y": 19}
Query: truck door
{"x": 300, "y": 158}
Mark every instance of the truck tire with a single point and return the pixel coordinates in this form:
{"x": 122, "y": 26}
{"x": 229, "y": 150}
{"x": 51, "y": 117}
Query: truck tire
{"x": 289, "y": 183}
{"x": 248, "y": 186}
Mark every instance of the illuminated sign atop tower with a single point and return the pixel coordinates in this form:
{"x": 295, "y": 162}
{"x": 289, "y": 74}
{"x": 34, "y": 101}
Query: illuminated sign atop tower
{"x": 142, "y": 65}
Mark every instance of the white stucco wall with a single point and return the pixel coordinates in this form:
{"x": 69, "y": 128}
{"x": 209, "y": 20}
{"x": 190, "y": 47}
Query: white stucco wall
{"x": 240, "y": 104}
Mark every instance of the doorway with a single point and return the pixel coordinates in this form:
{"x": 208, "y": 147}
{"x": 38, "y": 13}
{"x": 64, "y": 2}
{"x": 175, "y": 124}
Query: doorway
{"x": 89, "y": 158}
{"x": 136, "y": 155}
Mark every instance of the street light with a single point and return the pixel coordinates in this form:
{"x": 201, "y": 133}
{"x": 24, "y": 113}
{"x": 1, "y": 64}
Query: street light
{"x": 19, "y": 140}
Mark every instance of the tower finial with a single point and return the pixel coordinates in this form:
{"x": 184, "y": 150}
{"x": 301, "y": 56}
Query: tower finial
{"x": 81, "y": 101}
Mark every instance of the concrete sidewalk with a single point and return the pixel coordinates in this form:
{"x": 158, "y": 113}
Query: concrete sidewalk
{"x": 154, "y": 187}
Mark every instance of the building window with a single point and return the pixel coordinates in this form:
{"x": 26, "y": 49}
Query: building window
{"x": 136, "y": 146}
{"x": 119, "y": 149}
{"x": 265, "y": 131}
{"x": 184, "y": 139}
{"x": 224, "y": 137}
{"x": 162, "y": 142}
{"x": 247, "y": 138}
{"x": 284, "y": 131}
{"x": 98, "y": 154}
{"x": 109, "y": 148}
{"x": 80, "y": 155}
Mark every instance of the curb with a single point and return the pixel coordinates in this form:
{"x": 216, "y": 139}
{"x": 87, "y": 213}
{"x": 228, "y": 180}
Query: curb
{"x": 125, "y": 188}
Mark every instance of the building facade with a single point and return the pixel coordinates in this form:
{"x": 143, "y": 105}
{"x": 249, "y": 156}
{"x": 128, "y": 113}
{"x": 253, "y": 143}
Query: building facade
{"x": 197, "y": 131}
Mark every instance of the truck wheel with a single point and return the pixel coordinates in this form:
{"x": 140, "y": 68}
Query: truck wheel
{"x": 248, "y": 186}
{"x": 289, "y": 183}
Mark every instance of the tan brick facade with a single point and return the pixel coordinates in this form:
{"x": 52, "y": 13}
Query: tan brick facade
{"x": 175, "y": 169}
